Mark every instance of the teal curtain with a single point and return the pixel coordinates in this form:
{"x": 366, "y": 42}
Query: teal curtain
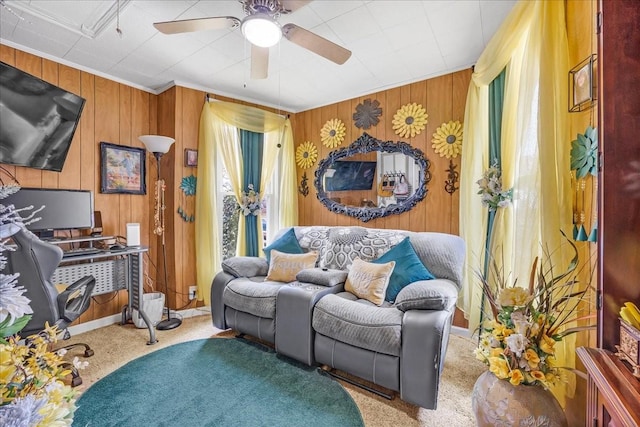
{"x": 251, "y": 144}
{"x": 496, "y": 98}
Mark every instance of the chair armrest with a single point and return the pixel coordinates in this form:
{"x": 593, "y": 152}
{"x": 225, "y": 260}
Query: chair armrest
{"x": 245, "y": 266}
{"x": 75, "y": 299}
{"x": 437, "y": 294}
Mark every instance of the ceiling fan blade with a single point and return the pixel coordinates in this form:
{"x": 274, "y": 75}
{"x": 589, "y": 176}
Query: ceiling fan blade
{"x": 259, "y": 62}
{"x": 316, "y": 43}
{"x": 293, "y": 5}
{"x": 199, "y": 24}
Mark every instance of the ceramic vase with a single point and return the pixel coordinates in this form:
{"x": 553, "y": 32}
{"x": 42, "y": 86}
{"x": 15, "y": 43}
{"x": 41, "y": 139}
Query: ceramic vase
{"x": 497, "y": 402}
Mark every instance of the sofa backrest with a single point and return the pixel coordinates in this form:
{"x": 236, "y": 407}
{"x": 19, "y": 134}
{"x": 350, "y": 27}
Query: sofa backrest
{"x": 442, "y": 254}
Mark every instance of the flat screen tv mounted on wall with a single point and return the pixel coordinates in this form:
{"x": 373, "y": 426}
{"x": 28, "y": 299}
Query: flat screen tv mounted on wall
{"x": 38, "y": 120}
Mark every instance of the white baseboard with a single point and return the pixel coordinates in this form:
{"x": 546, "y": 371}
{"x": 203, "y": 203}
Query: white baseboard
{"x": 461, "y": 332}
{"x": 117, "y": 318}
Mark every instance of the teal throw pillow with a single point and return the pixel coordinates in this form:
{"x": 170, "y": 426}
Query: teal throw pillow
{"x": 287, "y": 243}
{"x": 408, "y": 268}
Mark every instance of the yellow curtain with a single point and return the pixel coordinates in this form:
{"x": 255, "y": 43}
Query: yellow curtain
{"x": 532, "y": 45}
{"x": 219, "y": 125}
{"x": 288, "y": 185}
{"x": 207, "y": 235}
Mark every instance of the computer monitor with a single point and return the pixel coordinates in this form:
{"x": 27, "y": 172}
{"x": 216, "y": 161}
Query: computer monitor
{"x": 63, "y": 209}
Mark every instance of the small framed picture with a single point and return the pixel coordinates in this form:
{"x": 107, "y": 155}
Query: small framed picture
{"x": 122, "y": 169}
{"x": 190, "y": 157}
{"x": 582, "y": 85}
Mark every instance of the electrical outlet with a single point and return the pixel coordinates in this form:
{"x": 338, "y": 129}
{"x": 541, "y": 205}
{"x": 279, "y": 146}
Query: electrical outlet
{"x": 192, "y": 292}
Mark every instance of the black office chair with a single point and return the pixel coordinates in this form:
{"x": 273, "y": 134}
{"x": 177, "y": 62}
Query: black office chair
{"x": 36, "y": 261}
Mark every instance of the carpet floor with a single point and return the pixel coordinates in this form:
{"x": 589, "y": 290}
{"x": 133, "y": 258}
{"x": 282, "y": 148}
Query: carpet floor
{"x": 117, "y": 345}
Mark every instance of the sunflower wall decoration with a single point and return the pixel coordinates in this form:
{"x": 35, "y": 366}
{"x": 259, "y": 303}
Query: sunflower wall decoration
{"x": 410, "y": 120}
{"x": 332, "y": 133}
{"x": 306, "y": 155}
{"x": 367, "y": 113}
{"x": 447, "y": 140}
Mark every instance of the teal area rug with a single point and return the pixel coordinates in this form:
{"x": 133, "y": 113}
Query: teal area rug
{"x": 216, "y": 382}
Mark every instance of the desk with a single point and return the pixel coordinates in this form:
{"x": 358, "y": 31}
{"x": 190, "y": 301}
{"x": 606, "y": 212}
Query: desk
{"x": 113, "y": 270}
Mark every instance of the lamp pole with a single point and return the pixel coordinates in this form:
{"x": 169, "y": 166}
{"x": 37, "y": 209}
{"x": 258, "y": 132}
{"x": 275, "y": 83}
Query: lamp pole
{"x": 159, "y": 145}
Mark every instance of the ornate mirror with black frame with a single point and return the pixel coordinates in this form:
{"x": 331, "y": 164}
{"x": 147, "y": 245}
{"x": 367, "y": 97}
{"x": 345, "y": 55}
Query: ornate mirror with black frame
{"x": 372, "y": 178}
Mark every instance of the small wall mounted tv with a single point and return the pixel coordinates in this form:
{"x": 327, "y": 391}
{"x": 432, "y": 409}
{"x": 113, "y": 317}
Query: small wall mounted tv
{"x": 350, "y": 175}
{"x": 38, "y": 120}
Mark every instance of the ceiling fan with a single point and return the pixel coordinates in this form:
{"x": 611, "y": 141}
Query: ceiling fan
{"x": 261, "y": 28}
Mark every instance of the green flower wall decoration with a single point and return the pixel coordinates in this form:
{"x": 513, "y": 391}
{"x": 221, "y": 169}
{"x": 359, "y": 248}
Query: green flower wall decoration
{"x": 584, "y": 153}
{"x": 188, "y": 187}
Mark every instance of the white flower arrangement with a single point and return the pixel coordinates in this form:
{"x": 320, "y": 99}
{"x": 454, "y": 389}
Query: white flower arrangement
{"x": 250, "y": 202}
{"x": 491, "y": 190}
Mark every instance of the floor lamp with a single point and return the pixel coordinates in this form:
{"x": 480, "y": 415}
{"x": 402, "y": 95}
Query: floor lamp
{"x": 159, "y": 145}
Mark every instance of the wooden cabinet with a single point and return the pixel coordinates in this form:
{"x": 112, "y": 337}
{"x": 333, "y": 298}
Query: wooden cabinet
{"x": 619, "y": 128}
{"x": 613, "y": 394}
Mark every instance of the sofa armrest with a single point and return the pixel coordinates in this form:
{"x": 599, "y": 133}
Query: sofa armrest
{"x": 245, "y": 266}
{"x": 220, "y": 282}
{"x": 425, "y": 336}
{"x": 437, "y": 294}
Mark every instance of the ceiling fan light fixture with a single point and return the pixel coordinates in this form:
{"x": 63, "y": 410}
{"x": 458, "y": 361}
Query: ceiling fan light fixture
{"x": 261, "y": 30}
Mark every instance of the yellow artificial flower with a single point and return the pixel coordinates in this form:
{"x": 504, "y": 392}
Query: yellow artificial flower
{"x": 547, "y": 344}
{"x": 516, "y": 377}
{"x": 332, "y": 133}
{"x": 306, "y": 155}
{"x": 447, "y": 140}
{"x": 513, "y": 297}
{"x": 539, "y": 376}
{"x": 496, "y": 352}
{"x": 410, "y": 120}
{"x": 532, "y": 358}
{"x": 498, "y": 330}
{"x": 499, "y": 367}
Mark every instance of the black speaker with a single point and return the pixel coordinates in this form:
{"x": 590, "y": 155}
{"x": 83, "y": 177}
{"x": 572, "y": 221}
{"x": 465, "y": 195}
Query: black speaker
{"x": 97, "y": 224}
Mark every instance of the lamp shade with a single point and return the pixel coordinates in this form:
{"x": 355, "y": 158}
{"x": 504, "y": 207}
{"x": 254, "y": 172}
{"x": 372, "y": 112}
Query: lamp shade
{"x": 157, "y": 143}
{"x": 261, "y": 30}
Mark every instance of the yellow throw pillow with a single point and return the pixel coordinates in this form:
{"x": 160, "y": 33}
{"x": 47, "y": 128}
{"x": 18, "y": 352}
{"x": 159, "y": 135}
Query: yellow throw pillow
{"x": 284, "y": 267}
{"x": 369, "y": 281}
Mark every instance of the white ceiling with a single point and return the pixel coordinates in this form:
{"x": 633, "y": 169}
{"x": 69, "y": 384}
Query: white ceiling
{"x": 393, "y": 43}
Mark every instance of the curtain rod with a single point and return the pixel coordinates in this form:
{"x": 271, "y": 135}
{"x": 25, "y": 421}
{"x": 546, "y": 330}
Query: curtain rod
{"x": 209, "y": 98}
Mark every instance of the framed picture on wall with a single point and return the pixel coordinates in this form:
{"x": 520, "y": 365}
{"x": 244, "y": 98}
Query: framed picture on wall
{"x": 582, "y": 89}
{"x": 190, "y": 157}
{"x": 122, "y": 169}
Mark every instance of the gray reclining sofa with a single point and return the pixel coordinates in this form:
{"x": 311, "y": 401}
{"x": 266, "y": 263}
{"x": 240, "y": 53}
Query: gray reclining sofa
{"x": 399, "y": 344}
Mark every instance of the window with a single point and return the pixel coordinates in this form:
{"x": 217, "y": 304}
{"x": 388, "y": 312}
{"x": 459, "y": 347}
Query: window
{"x": 230, "y": 213}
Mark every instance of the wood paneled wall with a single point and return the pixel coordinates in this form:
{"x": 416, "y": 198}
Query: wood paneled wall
{"x": 114, "y": 113}
{"x": 444, "y": 100}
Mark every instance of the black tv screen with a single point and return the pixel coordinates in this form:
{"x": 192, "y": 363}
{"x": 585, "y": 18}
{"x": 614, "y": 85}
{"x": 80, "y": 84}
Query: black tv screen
{"x": 63, "y": 209}
{"x": 38, "y": 120}
{"x": 350, "y": 175}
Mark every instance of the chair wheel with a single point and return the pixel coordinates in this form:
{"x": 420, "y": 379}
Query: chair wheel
{"x": 76, "y": 381}
{"x": 88, "y": 353}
